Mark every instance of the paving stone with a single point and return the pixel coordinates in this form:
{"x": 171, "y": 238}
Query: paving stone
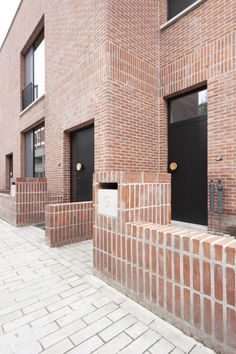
{"x": 10, "y": 317}
{"x": 24, "y": 319}
{"x": 115, "y": 295}
{"x": 117, "y": 327}
{"x": 141, "y": 344}
{"x": 88, "y": 346}
{"x": 90, "y": 331}
{"x": 136, "y": 330}
{"x": 62, "y": 333}
{"x": 40, "y": 304}
{"x": 117, "y": 315}
{"x": 63, "y": 307}
{"x": 50, "y": 317}
{"x": 87, "y": 300}
{"x": 162, "y": 346}
{"x": 138, "y": 311}
{"x": 76, "y": 314}
{"x": 103, "y": 311}
{"x": 173, "y": 335}
{"x": 73, "y": 291}
{"x": 61, "y": 303}
{"x": 115, "y": 345}
{"x": 200, "y": 349}
{"x": 177, "y": 351}
{"x": 59, "y": 348}
{"x": 101, "y": 301}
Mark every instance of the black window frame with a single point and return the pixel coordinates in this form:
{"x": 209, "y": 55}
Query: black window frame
{"x": 186, "y": 93}
{"x": 29, "y": 92}
{"x": 32, "y": 131}
{"x": 169, "y": 15}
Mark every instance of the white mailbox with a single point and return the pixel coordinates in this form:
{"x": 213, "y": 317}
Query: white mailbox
{"x": 108, "y": 202}
{"x": 13, "y": 190}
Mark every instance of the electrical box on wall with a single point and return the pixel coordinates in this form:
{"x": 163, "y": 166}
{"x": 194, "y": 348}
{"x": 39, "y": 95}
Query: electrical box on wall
{"x": 108, "y": 199}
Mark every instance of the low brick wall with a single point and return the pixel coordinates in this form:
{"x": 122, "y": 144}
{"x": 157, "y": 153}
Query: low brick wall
{"x": 31, "y": 197}
{"x": 28, "y": 204}
{"x": 8, "y": 208}
{"x": 188, "y": 278}
{"x": 68, "y": 223}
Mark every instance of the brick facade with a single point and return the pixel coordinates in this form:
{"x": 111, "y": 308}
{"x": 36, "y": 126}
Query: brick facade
{"x": 68, "y": 223}
{"x": 114, "y": 65}
{"x": 199, "y": 49}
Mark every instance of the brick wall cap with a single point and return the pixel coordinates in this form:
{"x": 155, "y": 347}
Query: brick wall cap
{"x": 21, "y": 179}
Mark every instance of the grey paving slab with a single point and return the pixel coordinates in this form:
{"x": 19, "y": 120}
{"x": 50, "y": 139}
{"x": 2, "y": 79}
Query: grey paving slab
{"x": 51, "y": 303}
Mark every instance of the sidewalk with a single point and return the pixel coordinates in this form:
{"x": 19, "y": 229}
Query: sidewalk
{"x": 51, "y": 303}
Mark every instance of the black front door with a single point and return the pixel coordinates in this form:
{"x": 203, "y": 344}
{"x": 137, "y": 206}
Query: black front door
{"x": 188, "y": 157}
{"x": 82, "y": 164}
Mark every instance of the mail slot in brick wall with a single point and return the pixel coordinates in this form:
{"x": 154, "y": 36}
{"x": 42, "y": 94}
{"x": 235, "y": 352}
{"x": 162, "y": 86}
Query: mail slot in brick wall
{"x": 108, "y": 199}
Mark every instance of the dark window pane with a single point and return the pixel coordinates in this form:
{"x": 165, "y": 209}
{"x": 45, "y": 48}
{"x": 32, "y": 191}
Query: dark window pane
{"x": 176, "y": 6}
{"x": 29, "y": 67}
{"x": 29, "y": 151}
{"x": 27, "y": 95}
{"x": 188, "y": 106}
{"x": 39, "y": 153}
{"x": 34, "y": 72}
{"x": 35, "y": 153}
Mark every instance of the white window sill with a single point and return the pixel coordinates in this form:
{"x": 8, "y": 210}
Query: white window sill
{"x": 182, "y": 14}
{"x": 31, "y": 105}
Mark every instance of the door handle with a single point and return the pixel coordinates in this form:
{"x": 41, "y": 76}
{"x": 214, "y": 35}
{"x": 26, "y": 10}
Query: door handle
{"x": 173, "y": 166}
{"x": 79, "y": 166}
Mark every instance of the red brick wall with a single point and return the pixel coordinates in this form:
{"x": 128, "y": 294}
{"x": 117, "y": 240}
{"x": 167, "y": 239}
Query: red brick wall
{"x": 141, "y": 197}
{"x": 109, "y": 62}
{"x": 199, "y": 49}
{"x": 10, "y": 87}
{"x": 31, "y": 197}
{"x": 132, "y": 118}
{"x": 28, "y": 204}
{"x": 68, "y": 223}
{"x": 8, "y": 208}
{"x": 188, "y": 278}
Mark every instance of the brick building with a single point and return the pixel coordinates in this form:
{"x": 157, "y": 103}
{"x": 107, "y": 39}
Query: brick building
{"x": 138, "y": 92}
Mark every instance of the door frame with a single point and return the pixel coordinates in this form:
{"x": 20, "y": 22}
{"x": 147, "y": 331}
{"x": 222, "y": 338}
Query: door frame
{"x": 87, "y": 125}
{"x": 9, "y": 164}
{"x": 179, "y": 95}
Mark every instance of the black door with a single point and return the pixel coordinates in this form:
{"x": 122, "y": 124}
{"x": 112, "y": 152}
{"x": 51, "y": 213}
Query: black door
{"x": 188, "y": 157}
{"x": 82, "y": 164}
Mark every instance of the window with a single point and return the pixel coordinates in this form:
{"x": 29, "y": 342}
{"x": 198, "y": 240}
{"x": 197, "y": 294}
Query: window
{"x": 189, "y": 106}
{"x": 34, "y": 72}
{"x": 176, "y": 6}
{"x": 35, "y": 153}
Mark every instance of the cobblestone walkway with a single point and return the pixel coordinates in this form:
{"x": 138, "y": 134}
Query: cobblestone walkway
{"x": 51, "y": 303}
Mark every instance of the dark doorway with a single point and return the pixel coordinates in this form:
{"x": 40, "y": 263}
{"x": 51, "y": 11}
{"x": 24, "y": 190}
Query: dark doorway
{"x": 9, "y": 171}
{"x": 82, "y": 164}
{"x": 188, "y": 157}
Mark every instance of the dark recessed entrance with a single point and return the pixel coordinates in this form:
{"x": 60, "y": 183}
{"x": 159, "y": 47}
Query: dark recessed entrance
{"x": 9, "y": 171}
{"x": 188, "y": 157}
{"x": 82, "y": 164}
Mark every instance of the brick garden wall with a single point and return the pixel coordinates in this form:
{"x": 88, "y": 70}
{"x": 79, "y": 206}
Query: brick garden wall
{"x": 28, "y": 204}
{"x": 31, "y": 197}
{"x": 68, "y": 223}
{"x": 8, "y": 208}
{"x": 135, "y": 203}
{"x": 186, "y": 277}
